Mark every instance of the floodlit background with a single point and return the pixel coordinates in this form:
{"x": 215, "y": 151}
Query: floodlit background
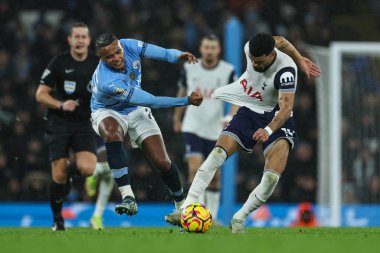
{"x": 33, "y": 31}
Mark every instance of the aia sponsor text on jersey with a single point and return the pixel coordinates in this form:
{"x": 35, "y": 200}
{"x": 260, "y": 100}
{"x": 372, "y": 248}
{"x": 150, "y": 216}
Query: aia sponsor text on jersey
{"x": 256, "y": 94}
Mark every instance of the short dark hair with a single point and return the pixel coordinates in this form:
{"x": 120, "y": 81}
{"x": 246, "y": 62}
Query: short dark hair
{"x": 211, "y": 36}
{"x": 104, "y": 40}
{"x": 75, "y": 25}
{"x": 261, "y": 44}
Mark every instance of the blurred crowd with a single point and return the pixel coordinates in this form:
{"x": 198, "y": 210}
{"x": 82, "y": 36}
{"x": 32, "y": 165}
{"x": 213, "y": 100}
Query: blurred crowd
{"x": 32, "y": 32}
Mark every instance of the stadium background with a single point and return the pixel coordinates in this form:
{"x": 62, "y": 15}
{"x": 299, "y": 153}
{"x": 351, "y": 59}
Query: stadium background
{"x": 32, "y": 32}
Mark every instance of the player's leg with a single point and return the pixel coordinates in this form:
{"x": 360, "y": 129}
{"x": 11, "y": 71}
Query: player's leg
{"x": 106, "y": 183}
{"x": 212, "y": 193}
{"x": 112, "y": 133}
{"x": 154, "y": 148}
{"x": 58, "y": 145}
{"x": 144, "y": 132}
{"x": 225, "y": 147}
{"x": 194, "y": 156}
{"x": 58, "y": 190}
{"x": 275, "y": 161}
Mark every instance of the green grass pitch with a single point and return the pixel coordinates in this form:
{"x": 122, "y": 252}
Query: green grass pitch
{"x": 165, "y": 240}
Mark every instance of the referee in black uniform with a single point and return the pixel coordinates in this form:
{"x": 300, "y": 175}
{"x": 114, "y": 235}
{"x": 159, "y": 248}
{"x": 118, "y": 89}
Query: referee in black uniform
{"x": 65, "y": 89}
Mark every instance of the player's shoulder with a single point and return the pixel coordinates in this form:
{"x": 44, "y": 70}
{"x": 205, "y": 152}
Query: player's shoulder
{"x": 226, "y": 66}
{"x": 61, "y": 57}
{"x": 285, "y": 60}
{"x": 131, "y": 43}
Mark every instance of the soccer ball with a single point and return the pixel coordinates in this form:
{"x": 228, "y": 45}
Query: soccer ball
{"x": 196, "y": 218}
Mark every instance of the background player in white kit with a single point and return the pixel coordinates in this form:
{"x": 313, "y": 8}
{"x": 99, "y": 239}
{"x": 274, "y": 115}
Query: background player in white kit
{"x": 201, "y": 125}
{"x": 266, "y": 94}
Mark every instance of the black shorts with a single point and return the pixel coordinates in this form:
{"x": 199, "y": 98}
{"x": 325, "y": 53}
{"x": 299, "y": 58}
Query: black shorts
{"x": 61, "y": 136}
{"x": 246, "y": 122}
{"x": 197, "y": 146}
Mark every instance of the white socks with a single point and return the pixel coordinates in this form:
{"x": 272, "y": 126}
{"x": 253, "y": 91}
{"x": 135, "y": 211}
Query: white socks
{"x": 105, "y": 188}
{"x": 212, "y": 202}
{"x": 126, "y": 190}
{"x": 205, "y": 174}
{"x": 259, "y": 195}
{"x": 100, "y": 168}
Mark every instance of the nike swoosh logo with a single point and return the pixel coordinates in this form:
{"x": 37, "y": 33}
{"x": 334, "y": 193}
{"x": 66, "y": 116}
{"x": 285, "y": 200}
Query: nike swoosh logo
{"x": 69, "y": 70}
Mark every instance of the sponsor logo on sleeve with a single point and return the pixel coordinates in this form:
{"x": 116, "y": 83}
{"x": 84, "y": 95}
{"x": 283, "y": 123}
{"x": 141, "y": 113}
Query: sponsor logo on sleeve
{"x": 287, "y": 79}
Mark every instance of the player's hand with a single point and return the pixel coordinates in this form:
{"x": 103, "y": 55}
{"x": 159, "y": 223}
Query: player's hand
{"x": 70, "y": 105}
{"x": 309, "y": 68}
{"x": 177, "y": 125}
{"x": 260, "y": 135}
{"x": 189, "y": 57}
{"x": 195, "y": 98}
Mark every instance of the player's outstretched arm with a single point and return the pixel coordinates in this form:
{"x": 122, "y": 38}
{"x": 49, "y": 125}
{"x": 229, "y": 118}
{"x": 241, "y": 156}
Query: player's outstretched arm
{"x": 306, "y": 65}
{"x": 143, "y": 98}
{"x": 286, "y": 101}
{"x": 170, "y": 55}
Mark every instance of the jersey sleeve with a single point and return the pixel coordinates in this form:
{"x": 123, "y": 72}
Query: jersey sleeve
{"x": 135, "y": 96}
{"x": 159, "y": 53}
{"x": 182, "y": 83}
{"x": 49, "y": 76}
{"x": 136, "y": 46}
{"x": 286, "y": 80}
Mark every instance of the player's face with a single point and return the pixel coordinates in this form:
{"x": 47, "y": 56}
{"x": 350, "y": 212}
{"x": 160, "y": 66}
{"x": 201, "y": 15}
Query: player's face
{"x": 113, "y": 55}
{"x": 79, "y": 40}
{"x": 210, "y": 50}
{"x": 262, "y": 63}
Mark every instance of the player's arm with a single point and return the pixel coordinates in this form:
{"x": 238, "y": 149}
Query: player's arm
{"x": 171, "y": 55}
{"x": 286, "y": 102}
{"x": 306, "y": 65}
{"x": 135, "y": 96}
{"x": 178, "y": 111}
{"x": 43, "y": 96}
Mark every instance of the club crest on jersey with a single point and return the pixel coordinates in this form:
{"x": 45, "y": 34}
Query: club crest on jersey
{"x": 136, "y": 64}
{"x": 132, "y": 76}
{"x": 119, "y": 91}
{"x": 69, "y": 86}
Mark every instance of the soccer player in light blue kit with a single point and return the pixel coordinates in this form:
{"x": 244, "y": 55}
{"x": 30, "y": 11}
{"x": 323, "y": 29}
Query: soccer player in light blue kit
{"x": 118, "y": 108}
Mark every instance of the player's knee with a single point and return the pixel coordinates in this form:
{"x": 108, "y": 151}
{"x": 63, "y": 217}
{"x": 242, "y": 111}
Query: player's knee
{"x": 162, "y": 163}
{"x": 86, "y": 170}
{"x": 113, "y": 136}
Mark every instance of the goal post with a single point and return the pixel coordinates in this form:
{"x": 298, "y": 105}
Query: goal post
{"x": 341, "y": 99}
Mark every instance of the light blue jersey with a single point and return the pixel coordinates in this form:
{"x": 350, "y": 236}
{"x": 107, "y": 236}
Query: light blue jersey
{"x": 121, "y": 91}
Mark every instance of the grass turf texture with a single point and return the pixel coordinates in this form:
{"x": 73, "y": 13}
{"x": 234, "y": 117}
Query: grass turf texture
{"x": 165, "y": 240}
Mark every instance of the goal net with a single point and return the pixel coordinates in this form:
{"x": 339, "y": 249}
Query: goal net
{"x": 348, "y": 96}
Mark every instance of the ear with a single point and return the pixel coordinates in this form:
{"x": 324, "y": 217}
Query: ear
{"x": 69, "y": 40}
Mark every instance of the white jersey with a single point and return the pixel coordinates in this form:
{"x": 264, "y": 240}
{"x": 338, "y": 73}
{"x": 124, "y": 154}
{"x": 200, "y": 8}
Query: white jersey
{"x": 259, "y": 90}
{"x": 206, "y": 120}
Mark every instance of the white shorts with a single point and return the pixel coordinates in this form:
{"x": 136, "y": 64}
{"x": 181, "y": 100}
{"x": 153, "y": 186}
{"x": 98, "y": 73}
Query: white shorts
{"x": 139, "y": 124}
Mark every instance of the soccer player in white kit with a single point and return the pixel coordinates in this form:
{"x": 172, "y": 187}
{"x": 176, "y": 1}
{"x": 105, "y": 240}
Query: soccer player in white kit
{"x": 209, "y": 74}
{"x": 265, "y": 92}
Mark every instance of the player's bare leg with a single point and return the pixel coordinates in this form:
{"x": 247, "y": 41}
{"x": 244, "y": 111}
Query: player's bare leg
{"x": 225, "y": 147}
{"x": 59, "y": 188}
{"x": 275, "y": 162}
{"x": 85, "y": 162}
{"x": 113, "y": 135}
{"x": 154, "y": 148}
